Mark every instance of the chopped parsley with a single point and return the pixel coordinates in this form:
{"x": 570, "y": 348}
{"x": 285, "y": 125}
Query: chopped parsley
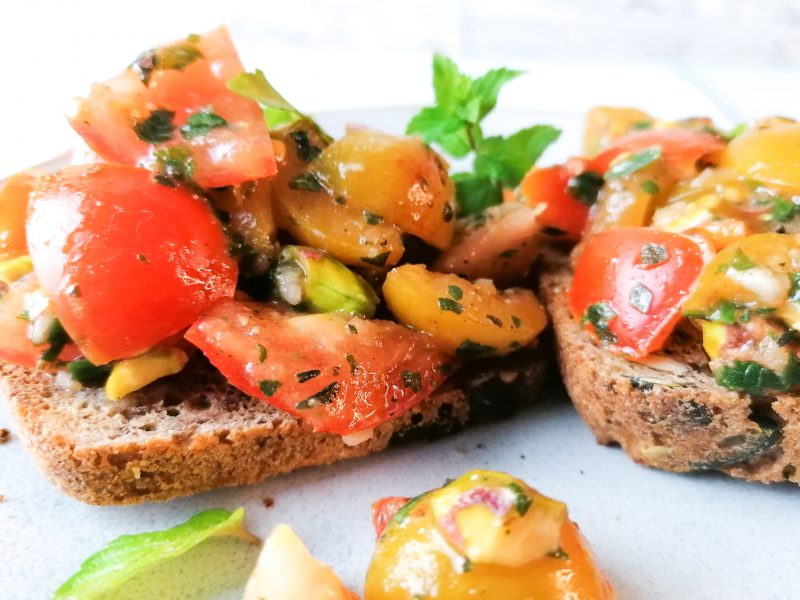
{"x": 412, "y": 380}
{"x": 750, "y": 377}
{"x": 650, "y": 187}
{"x": 471, "y": 349}
{"x": 447, "y": 212}
{"x": 262, "y": 353}
{"x": 378, "y": 260}
{"x": 794, "y": 289}
{"x": 307, "y": 182}
{"x": 599, "y": 316}
{"x": 325, "y": 396}
{"x": 268, "y": 387}
{"x": 57, "y": 337}
{"x": 633, "y": 163}
{"x": 494, "y": 320}
{"x": 455, "y": 292}
{"x": 640, "y": 298}
{"x": 510, "y": 253}
{"x": 176, "y": 57}
{"x": 157, "y": 128}
{"x": 783, "y": 209}
{"x": 352, "y": 329}
{"x": 516, "y": 321}
{"x": 653, "y": 254}
{"x": 522, "y": 501}
{"x": 200, "y": 123}
{"x": 351, "y": 360}
{"x": 739, "y": 262}
{"x": 790, "y": 336}
{"x": 451, "y": 305}
{"x": 585, "y": 187}
{"x": 174, "y": 164}
{"x": 371, "y": 218}
{"x": 306, "y": 151}
{"x": 559, "y": 554}
{"x": 88, "y": 374}
{"x": 307, "y": 375}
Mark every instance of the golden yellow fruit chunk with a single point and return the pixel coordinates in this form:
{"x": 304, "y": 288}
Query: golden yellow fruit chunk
{"x": 768, "y": 154}
{"x": 755, "y": 272}
{"x": 15, "y": 268}
{"x": 604, "y": 124}
{"x": 469, "y": 319}
{"x": 400, "y": 180}
{"x": 422, "y": 555}
{"x": 286, "y": 570}
{"x": 249, "y": 208}
{"x": 133, "y": 374}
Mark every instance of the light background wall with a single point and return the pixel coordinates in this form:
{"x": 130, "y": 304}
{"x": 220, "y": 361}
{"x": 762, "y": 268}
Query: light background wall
{"x": 741, "y": 54}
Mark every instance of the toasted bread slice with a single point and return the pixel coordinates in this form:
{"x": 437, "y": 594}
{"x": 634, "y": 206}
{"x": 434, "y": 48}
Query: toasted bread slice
{"x": 674, "y": 417}
{"x": 193, "y": 432}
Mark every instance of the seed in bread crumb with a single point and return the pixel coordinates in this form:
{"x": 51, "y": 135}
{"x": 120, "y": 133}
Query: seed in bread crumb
{"x": 269, "y": 502}
{"x": 4, "y": 435}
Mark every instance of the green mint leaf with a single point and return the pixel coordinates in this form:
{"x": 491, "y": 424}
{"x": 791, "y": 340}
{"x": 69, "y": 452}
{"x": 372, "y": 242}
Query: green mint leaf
{"x": 633, "y": 163}
{"x": 508, "y": 159}
{"x": 129, "y": 555}
{"x": 650, "y": 187}
{"x": 278, "y": 111}
{"x": 794, "y": 289}
{"x": 157, "y": 128}
{"x": 175, "y": 163}
{"x": 450, "y": 85}
{"x": 471, "y": 349}
{"x": 487, "y": 87}
{"x": 741, "y": 262}
{"x": 522, "y": 500}
{"x": 437, "y": 125}
{"x": 451, "y": 305}
{"x": 200, "y": 123}
{"x": 475, "y": 193}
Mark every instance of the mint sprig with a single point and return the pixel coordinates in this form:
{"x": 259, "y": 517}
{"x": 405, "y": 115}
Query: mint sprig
{"x": 454, "y": 123}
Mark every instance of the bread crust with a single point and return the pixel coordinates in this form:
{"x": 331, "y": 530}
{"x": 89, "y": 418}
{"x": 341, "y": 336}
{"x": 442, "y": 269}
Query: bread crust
{"x": 677, "y": 421}
{"x": 193, "y": 432}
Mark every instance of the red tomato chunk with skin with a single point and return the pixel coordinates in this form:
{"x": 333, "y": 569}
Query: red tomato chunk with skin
{"x": 125, "y": 261}
{"x": 148, "y": 107}
{"x": 630, "y": 284}
{"x": 340, "y": 374}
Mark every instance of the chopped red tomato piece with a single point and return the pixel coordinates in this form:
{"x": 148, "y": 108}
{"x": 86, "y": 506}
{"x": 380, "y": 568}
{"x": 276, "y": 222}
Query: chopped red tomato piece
{"x": 681, "y": 148}
{"x": 13, "y": 209}
{"x": 15, "y": 345}
{"x": 548, "y": 187}
{"x": 629, "y": 286}
{"x": 340, "y": 374}
{"x": 176, "y": 96}
{"x": 384, "y": 510}
{"x": 126, "y": 261}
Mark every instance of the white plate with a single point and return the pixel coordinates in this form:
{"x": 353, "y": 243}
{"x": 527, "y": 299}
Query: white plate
{"x": 657, "y": 535}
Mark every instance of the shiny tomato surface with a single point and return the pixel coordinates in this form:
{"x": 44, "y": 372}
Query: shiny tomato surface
{"x": 629, "y": 286}
{"x": 548, "y": 187}
{"x": 681, "y": 148}
{"x": 152, "y": 105}
{"x": 126, "y": 261}
{"x": 341, "y": 374}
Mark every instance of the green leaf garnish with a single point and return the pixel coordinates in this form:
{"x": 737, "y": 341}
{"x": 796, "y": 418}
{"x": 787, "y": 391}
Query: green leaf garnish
{"x": 175, "y": 164}
{"x": 454, "y": 123}
{"x": 156, "y": 128}
{"x": 475, "y": 193}
{"x": 522, "y": 500}
{"x": 200, "y": 123}
{"x": 599, "y": 316}
{"x": 88, "y": 374}
{"x": 455, "y": 292}
{"x": 451, "y": 305}
{"x": 585, "y": 187}
{"x": 470, "y": 349}
{"x": 129, "y": 555}
{"x": 278, "y": 111}
{"x": 633, "y": 163}
{"x": 783, "y": 209}
{"x": 268, "y": 387}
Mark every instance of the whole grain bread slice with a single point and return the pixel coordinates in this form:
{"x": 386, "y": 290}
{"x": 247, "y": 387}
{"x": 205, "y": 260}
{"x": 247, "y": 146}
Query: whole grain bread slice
{"x": 193, "y": 432}
{"x": 674, "y": 417}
